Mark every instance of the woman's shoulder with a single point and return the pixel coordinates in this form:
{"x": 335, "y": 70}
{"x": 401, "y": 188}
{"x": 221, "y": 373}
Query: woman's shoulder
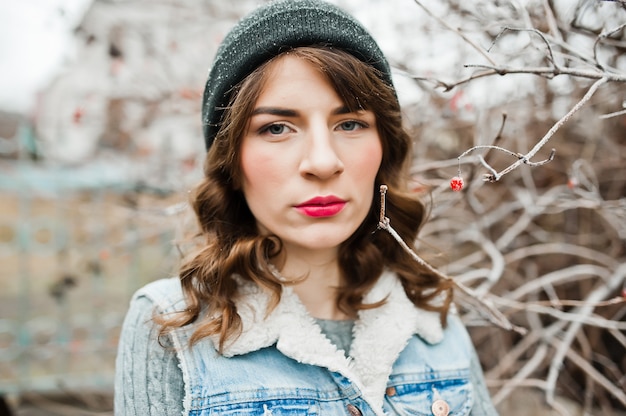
{"x": 165, "y": 294}
{"x": 156, "y": 298}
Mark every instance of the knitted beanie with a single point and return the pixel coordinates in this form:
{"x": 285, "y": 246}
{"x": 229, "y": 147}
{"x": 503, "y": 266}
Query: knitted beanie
{"x": 272, "y": 29}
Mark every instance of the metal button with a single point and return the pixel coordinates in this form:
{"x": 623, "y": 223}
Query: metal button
{"x": 353, "y": 410}
{"x": 391, "y": 391}
{"x": 440, "y": 408}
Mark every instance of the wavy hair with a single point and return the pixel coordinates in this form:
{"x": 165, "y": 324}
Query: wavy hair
{"x": 232, "y": 247}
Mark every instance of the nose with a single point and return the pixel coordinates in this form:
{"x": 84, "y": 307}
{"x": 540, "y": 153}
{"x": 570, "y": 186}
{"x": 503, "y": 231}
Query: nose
{"x": 321, "y": 159}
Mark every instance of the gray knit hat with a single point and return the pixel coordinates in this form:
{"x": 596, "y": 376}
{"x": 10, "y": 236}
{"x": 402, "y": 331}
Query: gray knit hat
{"x": 272, "y": 29}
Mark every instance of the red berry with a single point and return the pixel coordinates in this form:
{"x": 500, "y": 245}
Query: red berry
{"x": 456, "y": 183}
{"x": 78, "y": 115}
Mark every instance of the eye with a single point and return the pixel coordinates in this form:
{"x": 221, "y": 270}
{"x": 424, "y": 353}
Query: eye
{"x": 352, "y": 125}
{"x": 275, "y": 129}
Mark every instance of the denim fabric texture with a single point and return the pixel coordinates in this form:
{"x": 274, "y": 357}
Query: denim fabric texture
{"x": 262, "y": 378}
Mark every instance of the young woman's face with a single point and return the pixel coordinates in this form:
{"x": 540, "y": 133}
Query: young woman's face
{"x": 308, "y": 163}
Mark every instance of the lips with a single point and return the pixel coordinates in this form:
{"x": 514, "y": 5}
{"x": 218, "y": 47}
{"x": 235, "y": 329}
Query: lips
{"x": 322, "y": 206}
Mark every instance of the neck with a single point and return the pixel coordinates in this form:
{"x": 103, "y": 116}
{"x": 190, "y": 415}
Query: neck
{"x": 317, "y": 279}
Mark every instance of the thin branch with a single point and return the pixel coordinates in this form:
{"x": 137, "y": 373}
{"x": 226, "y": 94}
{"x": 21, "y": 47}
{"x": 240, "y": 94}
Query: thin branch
{"x": 599, "y": 39}
{"x": 601, "y": 292}
{"x": 592, "y": 90}
{"x": 552, "y": 22}
{"x": 487, "y": 166}
{"x": 501, "y": 129}
{"x": 541, "y": 35}
{"x": 611, "y": 115}
{"x": 448, "y": 86}
{"x": 526, "y": 158}
{"x": 540, "y": 308}
{"x": 489, "y": 146}
{"x": 457, "y": 31}
{"x": 569, "y": 274}
{"x": 546, "y": 71}
{"x": 561, "y": 248}
{"x": 617, "y": 392}
{"x": 522, "y": 374}
{"x": 493, "y": 314}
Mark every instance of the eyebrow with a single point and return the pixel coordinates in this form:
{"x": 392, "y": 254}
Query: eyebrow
{"x": 286, "y": 112}
{"x": 275, "y": 111}
{"x": 342, "y": 110}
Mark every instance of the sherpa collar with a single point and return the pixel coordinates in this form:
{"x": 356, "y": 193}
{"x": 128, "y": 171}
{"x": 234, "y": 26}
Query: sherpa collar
{"x": 297, "y": 335}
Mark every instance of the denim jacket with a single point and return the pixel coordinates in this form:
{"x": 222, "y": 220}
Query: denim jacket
{"x": 401, "y": 361}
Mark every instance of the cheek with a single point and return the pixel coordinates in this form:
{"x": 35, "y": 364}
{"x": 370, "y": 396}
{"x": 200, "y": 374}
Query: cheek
{"x": 260, "y": 170}
{"x": 369, "y": 160}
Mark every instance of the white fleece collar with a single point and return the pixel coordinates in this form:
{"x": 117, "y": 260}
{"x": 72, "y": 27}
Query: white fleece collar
{"x": 297, "y": 335}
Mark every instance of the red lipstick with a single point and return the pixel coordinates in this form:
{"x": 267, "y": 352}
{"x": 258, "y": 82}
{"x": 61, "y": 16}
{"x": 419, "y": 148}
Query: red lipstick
{"x": 321, "y": 206}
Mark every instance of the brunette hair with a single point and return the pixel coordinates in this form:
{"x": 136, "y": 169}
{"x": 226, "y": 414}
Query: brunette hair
{"x": 232, "y": 245}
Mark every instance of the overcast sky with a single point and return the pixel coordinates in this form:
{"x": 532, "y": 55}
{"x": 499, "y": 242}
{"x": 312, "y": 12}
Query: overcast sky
{"x": 35, "y": 40}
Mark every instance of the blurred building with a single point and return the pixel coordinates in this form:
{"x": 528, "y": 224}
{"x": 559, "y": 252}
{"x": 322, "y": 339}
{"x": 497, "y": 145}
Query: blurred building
{"x": 91, "y": 186}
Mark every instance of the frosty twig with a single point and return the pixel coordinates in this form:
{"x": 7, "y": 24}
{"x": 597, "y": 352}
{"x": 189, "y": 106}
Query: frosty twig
{"x": 490, "y": 312}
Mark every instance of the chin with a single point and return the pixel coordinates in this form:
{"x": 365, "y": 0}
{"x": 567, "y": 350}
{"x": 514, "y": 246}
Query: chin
{"x": 324, "y": 241}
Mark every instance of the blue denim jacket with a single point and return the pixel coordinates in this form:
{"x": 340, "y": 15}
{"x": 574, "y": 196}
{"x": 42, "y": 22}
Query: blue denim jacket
{"x": 401, "y": 361}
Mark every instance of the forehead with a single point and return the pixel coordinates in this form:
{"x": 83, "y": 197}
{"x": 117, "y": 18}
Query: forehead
{"x": 290, "y": 67}
{"x": 354, "y": 83}
{"x": 292, "y": 77}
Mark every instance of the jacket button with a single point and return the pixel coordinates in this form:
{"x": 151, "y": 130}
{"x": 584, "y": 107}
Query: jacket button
{"x": 440, "y": 408}
{"x": 390, "y": 391}
{"x": 353, "y": 410}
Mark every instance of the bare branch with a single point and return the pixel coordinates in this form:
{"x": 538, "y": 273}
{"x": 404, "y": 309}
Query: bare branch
{"x": 592, "y": 90}
{"x": 492, "y": 171}
{"x": 540, "y": 308}
{"x": 615, "y": 391}
{"x": 525, "y": 159}
{"x": 493, "y": 314}
{"x": 546, "y": 71}
{"x": 601, "y": 292}
{"x": 542, "y": 36}
{"x": 611, "y": 115}
{"x": 522, "y": 374}
{"x": 599, "y": 40}
{"x": 552, "y": 23}
{"x": 457, "y": 31}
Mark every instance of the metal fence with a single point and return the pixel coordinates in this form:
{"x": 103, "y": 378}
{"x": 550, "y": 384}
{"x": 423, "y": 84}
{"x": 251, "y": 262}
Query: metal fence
{"x": 74, "y": 245}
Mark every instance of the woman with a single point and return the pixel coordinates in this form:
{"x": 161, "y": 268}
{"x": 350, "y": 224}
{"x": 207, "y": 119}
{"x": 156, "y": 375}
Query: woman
{"x": 296, "y": 304}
